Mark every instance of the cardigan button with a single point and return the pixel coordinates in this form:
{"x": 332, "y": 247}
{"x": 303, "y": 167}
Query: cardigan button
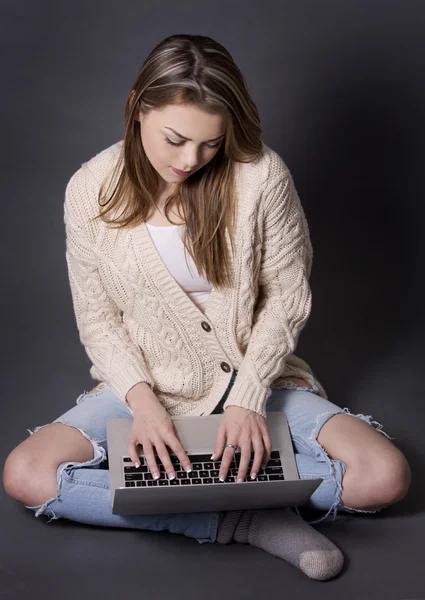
{"x": 205, "y": 326}
{"x": 225, "y": 367}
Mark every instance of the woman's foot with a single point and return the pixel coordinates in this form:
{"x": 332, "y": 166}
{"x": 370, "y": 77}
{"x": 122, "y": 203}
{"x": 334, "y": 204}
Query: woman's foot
{"x": 283, "y": 533}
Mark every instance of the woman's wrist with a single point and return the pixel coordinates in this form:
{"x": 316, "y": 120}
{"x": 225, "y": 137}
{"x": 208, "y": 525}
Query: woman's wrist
{"x": 139, "y": 393}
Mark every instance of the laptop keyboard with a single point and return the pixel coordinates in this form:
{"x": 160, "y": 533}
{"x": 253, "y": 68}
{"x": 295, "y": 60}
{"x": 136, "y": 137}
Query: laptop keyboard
{"x": 204, "y": 471}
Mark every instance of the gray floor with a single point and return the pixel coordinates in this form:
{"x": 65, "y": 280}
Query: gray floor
{"x": 383, "y": 559}
{"x": 340, "y": 89}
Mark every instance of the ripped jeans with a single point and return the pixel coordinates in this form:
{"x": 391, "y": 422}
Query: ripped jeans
{"x": 83, "y": 487}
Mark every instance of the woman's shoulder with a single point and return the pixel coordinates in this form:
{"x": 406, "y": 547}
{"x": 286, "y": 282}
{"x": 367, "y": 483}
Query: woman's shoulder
{"x": 268, "y": 167}
{"x": 101, "y": 164}
{"x": 82, "y": 189}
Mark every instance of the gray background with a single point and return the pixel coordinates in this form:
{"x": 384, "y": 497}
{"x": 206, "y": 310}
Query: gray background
{"x": 340, "y": 90}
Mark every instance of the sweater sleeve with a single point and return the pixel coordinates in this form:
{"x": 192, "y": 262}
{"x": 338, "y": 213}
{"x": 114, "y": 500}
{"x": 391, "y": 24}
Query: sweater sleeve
{"x": 116, "y": 358}
{"x": 284, "y": 301}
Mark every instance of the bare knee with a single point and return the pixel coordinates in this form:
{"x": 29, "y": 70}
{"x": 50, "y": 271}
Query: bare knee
{"x": 29, "y": 488}
{"x": 374, "y": 488}
{"x": 30, "y": 470}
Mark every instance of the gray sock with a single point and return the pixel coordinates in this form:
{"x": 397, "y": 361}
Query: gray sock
{"x": 283, "y": 533}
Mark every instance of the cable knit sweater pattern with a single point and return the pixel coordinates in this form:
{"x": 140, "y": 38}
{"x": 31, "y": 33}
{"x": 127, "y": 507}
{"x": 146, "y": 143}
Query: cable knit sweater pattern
{"x": 137, "y": 324}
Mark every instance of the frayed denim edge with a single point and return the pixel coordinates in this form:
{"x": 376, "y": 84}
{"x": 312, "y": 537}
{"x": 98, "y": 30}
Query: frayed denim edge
{"x": 313, "y": 439}
{"x": 99, "y": 456}
{"x": 290, "y": 385}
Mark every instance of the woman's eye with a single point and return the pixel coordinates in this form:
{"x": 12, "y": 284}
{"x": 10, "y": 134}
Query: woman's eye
{"x": 181, "y": 143}
{"x": 173, "y": 143}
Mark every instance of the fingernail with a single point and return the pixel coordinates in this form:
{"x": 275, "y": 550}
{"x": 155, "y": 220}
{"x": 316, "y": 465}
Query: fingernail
{"x": 212, "y": 456}
{"x": 188, "y": 469}
{"x": 137, "y": 465}
{"x": 253, "y": 475}
{"x": 155, "y": 475}
{"x": 171, "y": 475}
{"x": 263, "y": 466}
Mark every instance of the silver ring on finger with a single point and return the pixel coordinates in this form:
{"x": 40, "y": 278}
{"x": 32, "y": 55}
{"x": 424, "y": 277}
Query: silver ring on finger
{"x": 232, "y": 446}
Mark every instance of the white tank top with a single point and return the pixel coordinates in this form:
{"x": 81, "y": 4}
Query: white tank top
{"x": 178, "y": 261}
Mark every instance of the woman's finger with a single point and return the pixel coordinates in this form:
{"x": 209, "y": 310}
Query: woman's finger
{"x": 257, "y": 442}
{"x": 267, "y": 447}
{"x": 228, "y": 453}
{"x": 176, "y": 446}
{"x": 246, "y": 446}
{"x": 165, "y": 458}
{"x": 219, "y": 442}
{"x": 132, "y": 451}
{"x": 150, "y": 458}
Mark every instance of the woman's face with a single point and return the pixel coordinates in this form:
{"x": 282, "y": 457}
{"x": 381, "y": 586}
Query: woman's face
{"x": 205, "y": 133}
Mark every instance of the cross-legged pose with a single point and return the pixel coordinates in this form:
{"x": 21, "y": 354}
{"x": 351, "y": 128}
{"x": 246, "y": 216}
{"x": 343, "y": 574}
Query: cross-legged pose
{"x": 189, "y": 258}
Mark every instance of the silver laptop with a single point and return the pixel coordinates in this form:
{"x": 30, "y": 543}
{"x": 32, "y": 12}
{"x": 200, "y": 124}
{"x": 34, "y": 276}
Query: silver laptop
{"x": 134, "y": 491}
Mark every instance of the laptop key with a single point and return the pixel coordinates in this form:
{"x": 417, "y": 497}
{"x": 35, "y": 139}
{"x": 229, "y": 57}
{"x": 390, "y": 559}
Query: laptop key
{"x": 196, "y": 481}
{"x": 135, "y": 469}
{"x": 197, "y": 466}
{"x": 185, "y": 481}
{"x": 273, "y": 470}
{"x": 199, "y": 457}
{"x": 276, "y": 477}
{"x": 181, "y": 475}
{"x": 174, "y": 482}
{"x": 163, "y": 481}
{"x": 208, "y": 480}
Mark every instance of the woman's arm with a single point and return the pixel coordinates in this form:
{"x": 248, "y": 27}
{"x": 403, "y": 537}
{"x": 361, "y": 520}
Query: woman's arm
{"x": 285, "y": 303}
{"x": 106, "y": 341}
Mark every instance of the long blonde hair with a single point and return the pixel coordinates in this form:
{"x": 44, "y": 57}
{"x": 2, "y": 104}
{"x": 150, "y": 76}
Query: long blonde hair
{"x": 195, "y": 70}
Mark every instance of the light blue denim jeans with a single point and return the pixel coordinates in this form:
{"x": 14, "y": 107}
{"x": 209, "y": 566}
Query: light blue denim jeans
{"x": 83, "y": 487}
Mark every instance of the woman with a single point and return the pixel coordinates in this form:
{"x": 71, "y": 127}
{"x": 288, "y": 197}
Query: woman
{"x": 190, "y": 291}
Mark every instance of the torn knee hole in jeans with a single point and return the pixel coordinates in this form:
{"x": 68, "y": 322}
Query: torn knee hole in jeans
{"x": 370, "y": 421}
{"x": 337, "y": 505}
{"x": 99, "y": 454}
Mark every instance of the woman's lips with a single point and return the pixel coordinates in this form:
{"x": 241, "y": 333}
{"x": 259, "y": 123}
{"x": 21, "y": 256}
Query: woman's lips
{"x": 181, "y": 173}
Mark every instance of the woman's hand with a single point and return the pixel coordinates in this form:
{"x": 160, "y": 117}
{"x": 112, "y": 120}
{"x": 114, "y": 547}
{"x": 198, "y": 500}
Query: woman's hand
{"x": 153, "y": 427}
{"x": 242, "y": 427}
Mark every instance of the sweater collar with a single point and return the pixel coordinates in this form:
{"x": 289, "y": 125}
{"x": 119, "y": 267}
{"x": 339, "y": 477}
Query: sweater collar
{"x": 150, "y": 260}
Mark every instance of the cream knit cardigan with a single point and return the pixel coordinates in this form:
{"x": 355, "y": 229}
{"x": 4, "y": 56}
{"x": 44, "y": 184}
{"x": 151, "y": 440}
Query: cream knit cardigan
{"x": 137, "y": 324}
